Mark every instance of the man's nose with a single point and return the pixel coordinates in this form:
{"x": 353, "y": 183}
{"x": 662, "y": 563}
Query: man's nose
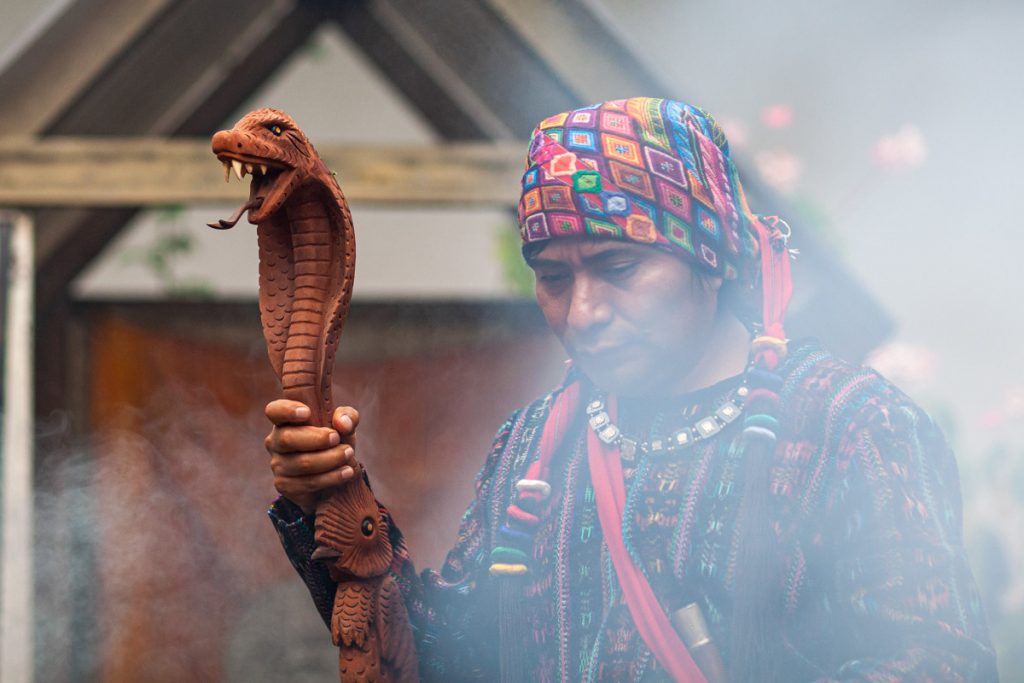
{"x": 587, "y": 308}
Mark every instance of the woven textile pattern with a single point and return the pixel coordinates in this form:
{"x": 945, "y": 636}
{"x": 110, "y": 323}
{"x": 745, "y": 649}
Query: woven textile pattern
{"x": 865, "y": 505}
{"x": 648, "y": 170}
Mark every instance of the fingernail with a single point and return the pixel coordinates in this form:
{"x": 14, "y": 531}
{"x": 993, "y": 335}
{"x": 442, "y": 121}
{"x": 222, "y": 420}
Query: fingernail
{"x": 346, "y": 421}
{"x": 302, "y": 413}
{"x": 349, "y": 452}
{"x": 347, "y": 472}
{"x": 334, "y": 438}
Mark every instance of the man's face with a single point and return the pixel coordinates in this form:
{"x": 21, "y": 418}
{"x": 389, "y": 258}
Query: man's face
{"x": 634, "y": 319}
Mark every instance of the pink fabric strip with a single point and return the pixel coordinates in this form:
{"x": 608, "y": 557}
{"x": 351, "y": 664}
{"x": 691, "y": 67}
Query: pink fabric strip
{"x": 777, "y": 283}
{"x": 555, "y": 427}
{"x": 650, "y": 619}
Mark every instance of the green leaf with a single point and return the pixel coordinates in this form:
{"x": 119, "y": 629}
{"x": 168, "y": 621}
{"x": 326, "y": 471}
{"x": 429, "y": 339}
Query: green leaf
{"x": 518, "y": 275}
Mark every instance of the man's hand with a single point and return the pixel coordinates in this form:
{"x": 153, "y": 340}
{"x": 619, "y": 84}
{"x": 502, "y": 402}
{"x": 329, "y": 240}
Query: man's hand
{"x": 307, "y": 460}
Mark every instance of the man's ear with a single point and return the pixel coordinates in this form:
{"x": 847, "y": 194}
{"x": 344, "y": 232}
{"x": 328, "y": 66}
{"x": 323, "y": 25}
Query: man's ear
{"x": 710, "y": 283}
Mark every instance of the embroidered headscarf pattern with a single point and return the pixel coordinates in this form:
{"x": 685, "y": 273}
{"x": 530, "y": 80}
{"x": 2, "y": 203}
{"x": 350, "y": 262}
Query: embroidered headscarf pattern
{"x": 649, "y": 170}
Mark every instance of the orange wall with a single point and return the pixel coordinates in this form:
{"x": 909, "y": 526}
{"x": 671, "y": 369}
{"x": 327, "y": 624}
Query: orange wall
{"x": 183, "y": 480}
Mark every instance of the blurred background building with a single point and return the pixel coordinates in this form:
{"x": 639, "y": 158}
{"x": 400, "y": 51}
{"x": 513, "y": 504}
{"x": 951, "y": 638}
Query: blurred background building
{"x": 885, "y": 133}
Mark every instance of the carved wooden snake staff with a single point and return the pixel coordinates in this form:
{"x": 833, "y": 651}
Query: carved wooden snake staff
{"x": 307, "y": 265}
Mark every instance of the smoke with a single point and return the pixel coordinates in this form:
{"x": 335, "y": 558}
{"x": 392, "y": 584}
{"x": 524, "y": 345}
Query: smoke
{"x": 151, "y": 541}
{"x": 154, "y": 557}
{"x": 64, "y": 547}
{"x": 432, "y": 390}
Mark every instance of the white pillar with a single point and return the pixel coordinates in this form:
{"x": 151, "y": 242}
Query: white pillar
{"x": 16, "y": 579}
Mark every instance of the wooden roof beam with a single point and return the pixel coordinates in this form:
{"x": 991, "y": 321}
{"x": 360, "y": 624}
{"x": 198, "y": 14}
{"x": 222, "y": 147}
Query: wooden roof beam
{"x": 138, "y": 172}
{"x": 410, "y": 64}
{"x": 577, "y": 44}
{"x": 194, "y": 61}
{"x": 174, "y": 66}
{"x": 78, "y": 45}
{"x": 467, "y": 39}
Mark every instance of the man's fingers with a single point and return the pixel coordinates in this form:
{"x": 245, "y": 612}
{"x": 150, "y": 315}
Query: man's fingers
{"x": 301, "y": 439}
{"x": 314, "y": 483}
{"x": 345, "y": 419}
{"x": 284, "y": 411}
{"x": 307, "y": 464}
{"x": 307, "y": 460}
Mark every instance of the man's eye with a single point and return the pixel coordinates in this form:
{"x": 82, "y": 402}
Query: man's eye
{"x": 552, "y": 278}
{"x": 620, "y": 270}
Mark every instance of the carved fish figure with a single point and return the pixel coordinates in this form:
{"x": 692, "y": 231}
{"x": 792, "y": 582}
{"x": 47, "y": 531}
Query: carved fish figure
{"x": 369, "y": 614}
{"x": 307, "y": 266}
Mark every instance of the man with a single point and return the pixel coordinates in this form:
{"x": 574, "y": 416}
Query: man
{"x": 691, "y": 456}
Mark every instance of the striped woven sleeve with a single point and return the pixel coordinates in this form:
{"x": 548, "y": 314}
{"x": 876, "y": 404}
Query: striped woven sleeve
{"x": 453, "y": 611}
{"x": 295, "y": 530}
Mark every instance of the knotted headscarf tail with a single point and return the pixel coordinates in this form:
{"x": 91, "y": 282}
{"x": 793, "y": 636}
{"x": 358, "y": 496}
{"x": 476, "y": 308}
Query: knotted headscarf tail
{"x": 757, "y": 609}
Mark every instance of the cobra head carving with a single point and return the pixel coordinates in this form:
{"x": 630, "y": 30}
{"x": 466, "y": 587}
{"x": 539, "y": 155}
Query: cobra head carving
{"x": 267, "y": 144}
{"x": 307, "y": 249}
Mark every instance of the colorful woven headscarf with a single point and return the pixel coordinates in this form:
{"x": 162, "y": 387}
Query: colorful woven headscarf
{"x": 648, "y": 170}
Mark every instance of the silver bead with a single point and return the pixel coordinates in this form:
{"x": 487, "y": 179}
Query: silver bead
{"x": 708, "y": 427}
{"x": 608, "y": 434}
{"x": 728, "y": 412}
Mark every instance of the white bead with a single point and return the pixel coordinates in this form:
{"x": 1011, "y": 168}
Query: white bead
{"x": 534, "y": 486}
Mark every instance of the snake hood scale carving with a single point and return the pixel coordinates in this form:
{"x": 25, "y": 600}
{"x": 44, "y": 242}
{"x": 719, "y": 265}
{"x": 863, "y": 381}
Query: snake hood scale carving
{"x": 307, "y": 249}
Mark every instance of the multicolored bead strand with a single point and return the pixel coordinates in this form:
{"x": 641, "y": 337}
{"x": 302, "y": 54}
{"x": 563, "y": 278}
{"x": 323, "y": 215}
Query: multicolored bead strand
{"x": 516, "y": 544}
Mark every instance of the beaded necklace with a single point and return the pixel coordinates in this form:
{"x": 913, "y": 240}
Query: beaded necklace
{"x": 704, "y": 428}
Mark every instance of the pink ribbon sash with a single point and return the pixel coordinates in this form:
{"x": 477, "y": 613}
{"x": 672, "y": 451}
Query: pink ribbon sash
{"x": 650, "y": 619}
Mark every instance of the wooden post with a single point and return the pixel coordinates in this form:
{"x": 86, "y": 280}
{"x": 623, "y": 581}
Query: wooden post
{"x": 16, "y": 571}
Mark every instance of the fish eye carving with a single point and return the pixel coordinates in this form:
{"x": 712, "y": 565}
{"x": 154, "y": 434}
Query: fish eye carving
{"x": 368, "y": 527}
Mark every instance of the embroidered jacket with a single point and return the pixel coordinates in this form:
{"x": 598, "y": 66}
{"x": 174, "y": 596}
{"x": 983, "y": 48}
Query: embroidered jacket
{"x": 865, "y": 500}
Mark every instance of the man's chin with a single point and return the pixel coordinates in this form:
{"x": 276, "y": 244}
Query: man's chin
{"x": 622, "y": 379}
{"x": 632, "y": 376}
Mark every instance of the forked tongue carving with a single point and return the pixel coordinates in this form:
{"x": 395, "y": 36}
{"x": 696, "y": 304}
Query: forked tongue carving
{"x": 228, "y": 223}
